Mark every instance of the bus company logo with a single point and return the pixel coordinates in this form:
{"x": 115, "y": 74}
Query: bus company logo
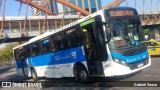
{"x": 57, "y": 58}
{"x": 6, "y": 84}
{"x": 74, "y": 55}
{"x": 19, "y": 84}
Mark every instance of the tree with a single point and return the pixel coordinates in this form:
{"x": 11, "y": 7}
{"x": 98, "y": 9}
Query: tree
{"x": 6, "y": 54}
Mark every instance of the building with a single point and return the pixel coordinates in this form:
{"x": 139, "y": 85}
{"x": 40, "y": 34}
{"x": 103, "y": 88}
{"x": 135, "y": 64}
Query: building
{"x": 89, "y": 5}
{"x": 34, "y": 11}
{"x": 72, "y": 15}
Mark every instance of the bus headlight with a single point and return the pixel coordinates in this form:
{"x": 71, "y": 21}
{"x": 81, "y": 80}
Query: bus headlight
{"x": 116, "y": 60}
{"x": 120, "y": 62}
{"x": 123, "y": 62}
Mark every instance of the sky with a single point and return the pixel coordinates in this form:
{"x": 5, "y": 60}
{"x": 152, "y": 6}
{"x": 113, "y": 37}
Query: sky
{"x": 12, "y": 6}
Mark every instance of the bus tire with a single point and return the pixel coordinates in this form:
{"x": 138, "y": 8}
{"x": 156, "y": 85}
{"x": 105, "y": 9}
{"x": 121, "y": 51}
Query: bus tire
{"x": 80, "y": 73}
{"x": 34, "y": 74}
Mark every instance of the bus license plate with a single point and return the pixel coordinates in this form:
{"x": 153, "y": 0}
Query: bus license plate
{"x": 140, "y": 65}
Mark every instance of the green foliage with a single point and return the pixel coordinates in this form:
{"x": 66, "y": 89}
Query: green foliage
{"x": 146, "y": 32}
{"x": 6, "y": 54}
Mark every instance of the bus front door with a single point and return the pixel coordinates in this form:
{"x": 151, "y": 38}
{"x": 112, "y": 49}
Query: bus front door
{"x": 93, "y": 55}
{"x": 23, "y": 62}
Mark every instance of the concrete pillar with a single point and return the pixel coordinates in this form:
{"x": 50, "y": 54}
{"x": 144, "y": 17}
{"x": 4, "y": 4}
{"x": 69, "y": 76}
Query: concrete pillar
{"x": 10, "y": 28}
{"x": 47, "y": 25}
{"x": 20, "y": 26}
{"x": 39, "y": 25}
{"x": 55, "y": 24}
{"x": 30, "y": 26}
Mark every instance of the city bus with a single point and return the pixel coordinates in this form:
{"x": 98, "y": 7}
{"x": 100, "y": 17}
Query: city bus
{"x": 106, "y": 43}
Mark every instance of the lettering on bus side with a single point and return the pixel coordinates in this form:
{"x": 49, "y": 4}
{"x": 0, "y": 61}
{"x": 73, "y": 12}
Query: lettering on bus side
{"x": 71, "y": 55}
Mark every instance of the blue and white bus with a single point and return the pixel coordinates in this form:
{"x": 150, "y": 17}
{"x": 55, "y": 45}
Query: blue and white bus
{"x": 106, "y": 43}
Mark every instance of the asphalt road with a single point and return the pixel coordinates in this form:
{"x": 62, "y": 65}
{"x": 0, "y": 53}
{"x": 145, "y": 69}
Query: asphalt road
{"x": 152, "y": 73}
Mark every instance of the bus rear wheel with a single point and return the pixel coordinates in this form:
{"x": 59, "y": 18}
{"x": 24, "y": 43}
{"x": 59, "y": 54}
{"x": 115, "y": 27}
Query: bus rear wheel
{"x": 81, "y": 74}
{"x": 34, "y": 74}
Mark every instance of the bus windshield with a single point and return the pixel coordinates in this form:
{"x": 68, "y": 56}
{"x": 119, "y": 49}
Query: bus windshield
{"x": 125, "y": 33}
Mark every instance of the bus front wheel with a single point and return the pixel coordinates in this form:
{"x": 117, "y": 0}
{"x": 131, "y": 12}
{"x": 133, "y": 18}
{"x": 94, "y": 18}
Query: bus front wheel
{"x": 80, "y": 74}
{"x": 34, "y": 74}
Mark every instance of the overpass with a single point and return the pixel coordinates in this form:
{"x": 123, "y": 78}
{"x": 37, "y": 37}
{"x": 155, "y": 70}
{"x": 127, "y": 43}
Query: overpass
{"x": 148, "y": 19}
{"x": 13, "y": 26}
{"x": 23, "y": 28}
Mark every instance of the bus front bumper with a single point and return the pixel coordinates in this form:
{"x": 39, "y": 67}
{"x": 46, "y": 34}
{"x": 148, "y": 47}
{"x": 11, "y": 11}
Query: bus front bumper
{"x": 115, "y": 69}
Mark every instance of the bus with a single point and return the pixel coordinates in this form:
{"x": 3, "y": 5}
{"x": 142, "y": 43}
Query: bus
{"x": 106, "y": 43}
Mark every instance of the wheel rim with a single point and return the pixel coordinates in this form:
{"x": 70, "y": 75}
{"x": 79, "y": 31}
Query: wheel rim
{"x": 33, "y": 75}
{"x": 83, "y": 75}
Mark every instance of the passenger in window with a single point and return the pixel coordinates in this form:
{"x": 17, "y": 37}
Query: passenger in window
{"x": 44, "y": 49}
{"x": 61, "y": 44}
{"x": 54, "y": 45}
{"x": 34, "y": 52}
{"x": 69, "y": 42}
{"x": 18, "y": 56}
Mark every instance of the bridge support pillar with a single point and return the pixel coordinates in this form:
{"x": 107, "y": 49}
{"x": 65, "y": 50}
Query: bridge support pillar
{"x": 1, "y": 33}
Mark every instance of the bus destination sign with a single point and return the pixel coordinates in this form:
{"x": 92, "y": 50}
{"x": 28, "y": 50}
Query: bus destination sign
{"x": 121, "y": 13}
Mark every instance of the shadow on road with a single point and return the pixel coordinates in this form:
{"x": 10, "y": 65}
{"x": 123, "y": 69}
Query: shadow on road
{"x": 4, "y": 69}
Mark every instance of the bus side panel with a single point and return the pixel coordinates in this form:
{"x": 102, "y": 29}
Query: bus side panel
{"x": 58, "y": 64}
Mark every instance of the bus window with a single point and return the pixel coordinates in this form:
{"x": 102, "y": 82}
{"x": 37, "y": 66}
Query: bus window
{"x": 45, "y": 44}
{"x": 54, "y": 44}
{"x": 60, "y": 41}
{"x": 17, "y": 54}
{"x": 70, "y": 37}
{"x": 22, "y": 51}
{"x": 35, "y": 49}
{"x": 78, "y": 37}
{"x": 28, "y": 51}
{"x": 73, "y": 37}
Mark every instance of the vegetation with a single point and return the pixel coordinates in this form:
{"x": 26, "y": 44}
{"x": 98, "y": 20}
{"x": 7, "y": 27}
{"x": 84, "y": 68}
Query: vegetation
{"x": 146, "y": 32}
{"x": 6, "y": 54}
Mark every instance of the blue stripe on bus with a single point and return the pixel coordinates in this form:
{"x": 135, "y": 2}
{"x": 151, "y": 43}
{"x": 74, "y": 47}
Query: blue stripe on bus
{"x": 20, "y": 63}
{"x": 61, "y": 57}
{"x": 130, "y": 59}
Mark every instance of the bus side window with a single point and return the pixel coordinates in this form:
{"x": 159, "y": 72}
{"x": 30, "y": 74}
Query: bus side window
{"x": 17, "y": 54}
{"x": 35, "y": 49}
{"x": 54, "y": 44}
{"x": 69, "y": 37}
{"x": 28, "y": 51}
{"x": 78, "y": 36}
{"x": 73, "y": 37}
{"x": 45, "y": 44}
{"x": 60, "y": 41}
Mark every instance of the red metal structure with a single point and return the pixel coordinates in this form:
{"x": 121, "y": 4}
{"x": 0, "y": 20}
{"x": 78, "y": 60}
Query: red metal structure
{"x": 49, "y": 12}
{"x": 84, "y": 12}
{"x": 64, "y": 2}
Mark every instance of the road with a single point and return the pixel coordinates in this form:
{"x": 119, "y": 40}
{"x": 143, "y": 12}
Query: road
{"x": 152, "y": 73}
